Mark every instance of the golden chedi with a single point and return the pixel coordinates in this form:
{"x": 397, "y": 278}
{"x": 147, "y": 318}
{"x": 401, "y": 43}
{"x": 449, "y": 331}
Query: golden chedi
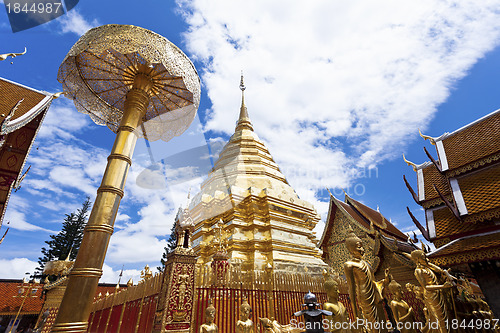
{"x": 265, "y": 220}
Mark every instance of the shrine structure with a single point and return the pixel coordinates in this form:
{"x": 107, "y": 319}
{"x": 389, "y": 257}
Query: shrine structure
{"x": 460, "y": 192}
{"x": 22, "y": 110}
{"x": 384, "y": 243}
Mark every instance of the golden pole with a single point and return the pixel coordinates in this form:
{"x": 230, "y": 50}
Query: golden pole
{"x": 76, "y": 305}
{"x": 20, "y": 307}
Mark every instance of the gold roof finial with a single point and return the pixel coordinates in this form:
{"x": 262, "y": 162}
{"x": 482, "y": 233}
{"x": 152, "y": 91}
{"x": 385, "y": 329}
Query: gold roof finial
{"x": 244, "y": 120}
{"x": 13, "y": 55}
{"x": 413, "y": 165}
{"x": 426, "y": 137}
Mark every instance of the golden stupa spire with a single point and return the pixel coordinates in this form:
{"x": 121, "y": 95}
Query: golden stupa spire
{"x": 243, "y": 121}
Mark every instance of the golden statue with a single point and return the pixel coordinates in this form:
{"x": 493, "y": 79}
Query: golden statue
{"x": 420, "y": 295}
{"x": 434, "y": 298}
{"x": 363, "y": 289}
{"x": 209, "y": 326}
{"x": 338, "y": 310}
{"x": 245, "y": 324}
{"x": 403, "y": 313}
{"x": 183, "y": 281}
{"x": 272, "y": 326}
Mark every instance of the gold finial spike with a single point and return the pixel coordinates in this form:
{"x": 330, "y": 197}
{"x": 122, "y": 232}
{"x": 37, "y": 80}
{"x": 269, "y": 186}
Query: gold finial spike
{"x": 130, "y": 282}
{"x": 57, "y": 94}
{"x": 242, "y": 83}
{"x": 244, "y": 120}
{"x": 13, "y": 55}
{"x": 69, "y": 254}
{"x": 426, "y": 137}
{"x": 413, "y": 165}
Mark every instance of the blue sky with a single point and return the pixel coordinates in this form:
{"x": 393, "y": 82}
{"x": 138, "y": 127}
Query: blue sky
{"x": 334, "y": 89}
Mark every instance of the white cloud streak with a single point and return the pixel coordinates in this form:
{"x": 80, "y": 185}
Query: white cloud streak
{"x": 74, "y": 22}
{"x": 347, "y": 82}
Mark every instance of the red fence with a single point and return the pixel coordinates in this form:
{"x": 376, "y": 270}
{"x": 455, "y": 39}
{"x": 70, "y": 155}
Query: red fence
{"x": 227, "y": 302}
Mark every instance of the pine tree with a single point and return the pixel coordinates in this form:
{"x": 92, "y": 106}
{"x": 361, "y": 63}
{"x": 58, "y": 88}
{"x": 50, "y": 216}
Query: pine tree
{"x": 68, "y": 239}
{"x": 171, "y": 245}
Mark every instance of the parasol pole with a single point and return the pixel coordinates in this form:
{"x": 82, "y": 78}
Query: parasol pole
{"x": 76, "y": 305}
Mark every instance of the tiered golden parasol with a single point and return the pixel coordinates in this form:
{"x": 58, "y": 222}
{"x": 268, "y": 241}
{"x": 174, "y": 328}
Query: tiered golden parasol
{"x": 139, "y": 85}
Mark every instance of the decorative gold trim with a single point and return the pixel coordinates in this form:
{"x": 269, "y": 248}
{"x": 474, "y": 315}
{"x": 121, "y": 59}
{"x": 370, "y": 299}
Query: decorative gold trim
{"x": 126, "y": 128}
{"x": 111, "y": 189}
{"x": 466, "y": 257}
{"x": 120, "y": 157}
{"x": 435, "y": 202}
{"x": 474, "y": 165}
{"x": 483, "y": 216}
{"x": 71, "y": 327}
{"x": 88, "y": 272}
{"x": 440, "y": 242}
{"x": 100, "y": 228}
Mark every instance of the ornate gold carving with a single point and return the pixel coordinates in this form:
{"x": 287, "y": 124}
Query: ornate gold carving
{"x": 466, "y": 257}
{"x": 473, "y": 165}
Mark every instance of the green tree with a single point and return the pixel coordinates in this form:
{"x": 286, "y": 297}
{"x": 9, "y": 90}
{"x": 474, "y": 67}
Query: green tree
{"x": 171, "y": 244}
{"x": 68, "y": 239}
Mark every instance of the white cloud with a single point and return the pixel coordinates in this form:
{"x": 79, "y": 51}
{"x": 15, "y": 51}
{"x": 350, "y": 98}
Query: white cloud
{"x": 62, "y": 120}
{"x": 348, "y": 82}
{"x": 16, "y": 268}
{"x": 17, "y": 221}
{"x": 111, "y": 276}
{"x": 74, "y": 22}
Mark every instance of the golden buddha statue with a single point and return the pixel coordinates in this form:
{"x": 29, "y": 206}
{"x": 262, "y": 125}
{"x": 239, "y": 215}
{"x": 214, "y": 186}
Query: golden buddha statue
{"x": 403, "y": 313}
{"x": 434, "y": 298}
{"x": 245, "y": 324}
{"x": 363, "y": 290}
{"x": 209, "y": 326}
{"x": 338, "y": 310}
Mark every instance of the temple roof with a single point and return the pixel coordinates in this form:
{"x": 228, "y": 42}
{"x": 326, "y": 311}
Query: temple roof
{"x": 363, "y": 215}
{"x": 10, "y": 302}
{"x": 467, "y": 175}
{"x": 433, "y": 177}
{"x": 471, "y": 143}
{"x": 480, "y": 190}
{"x": 447, "y": 225}
{"x": 30, "y": 103}
{"x": 22, "y": 111}
{"x": 379, "y": 221}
